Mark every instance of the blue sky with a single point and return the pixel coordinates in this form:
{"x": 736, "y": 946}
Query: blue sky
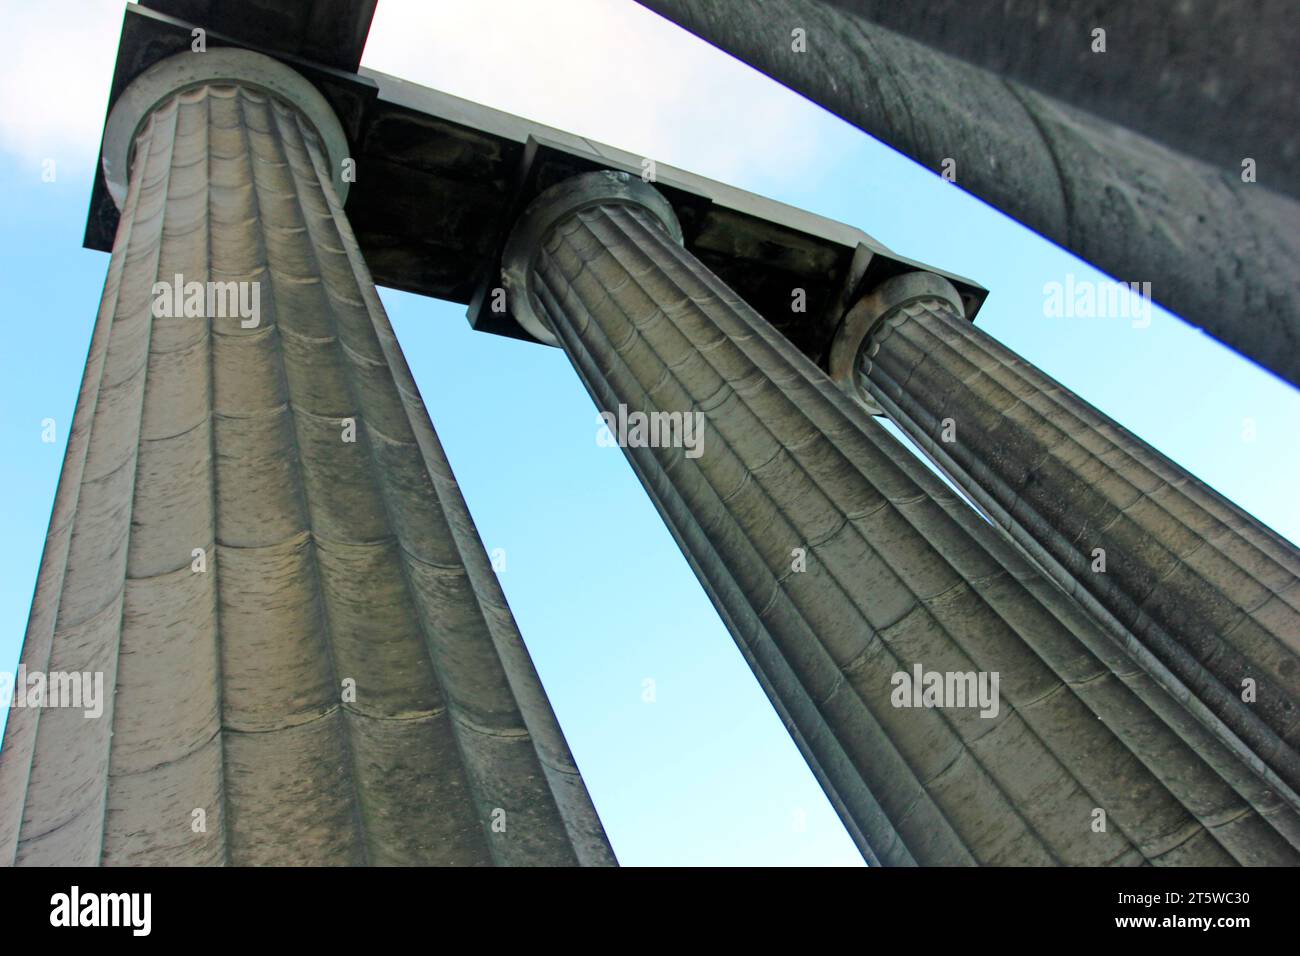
{"x": 704, "y": 774}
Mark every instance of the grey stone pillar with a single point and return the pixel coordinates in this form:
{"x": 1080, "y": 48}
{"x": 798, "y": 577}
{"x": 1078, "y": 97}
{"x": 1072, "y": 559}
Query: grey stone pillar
{"x": 257, "y": 540}
{"x": 839, "y": 561}
{"x": 1200, "y": 590}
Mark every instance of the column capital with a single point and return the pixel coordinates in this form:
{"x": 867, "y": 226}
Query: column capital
{"x": 220, "y": 65}
{"x": 605, "y": 187}
{"x": 861, "y": 320}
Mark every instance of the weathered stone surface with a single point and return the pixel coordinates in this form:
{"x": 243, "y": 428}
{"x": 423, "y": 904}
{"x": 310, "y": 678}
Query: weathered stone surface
{"x": 328, "y": 561}
{"x": 1218, "y": 252}
{"x": 330, "y": 32}
{"x": 898, "y": 572}
{"x": 1195, "y": 581}
{"x": 1213, "y": 80}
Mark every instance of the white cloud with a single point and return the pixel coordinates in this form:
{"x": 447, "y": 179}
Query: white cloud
{"x": 56, "y": 63}
{"x": 609, "y": 70}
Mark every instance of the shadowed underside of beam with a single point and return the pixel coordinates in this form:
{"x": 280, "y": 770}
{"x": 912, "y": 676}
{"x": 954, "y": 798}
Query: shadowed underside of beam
{"x": 258, "y": 541}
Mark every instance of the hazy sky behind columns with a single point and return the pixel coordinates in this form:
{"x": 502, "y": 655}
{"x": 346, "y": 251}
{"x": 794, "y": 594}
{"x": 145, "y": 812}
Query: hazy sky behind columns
{"x": 705, "y": 773}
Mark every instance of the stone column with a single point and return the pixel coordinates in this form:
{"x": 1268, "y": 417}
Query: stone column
{"x": 1218, "y": 251}
{"x": 1203, "y": 593}
{"x": 839, "y": 561}
{"x": 258, "y": 542}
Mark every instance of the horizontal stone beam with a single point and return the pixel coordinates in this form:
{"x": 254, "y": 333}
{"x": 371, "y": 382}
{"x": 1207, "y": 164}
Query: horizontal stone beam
{"x": 329, "y": 32}
{"x": 439, "y": 180}
{"x": 1210, "y": 79}
{"x": 1221, "y": 253}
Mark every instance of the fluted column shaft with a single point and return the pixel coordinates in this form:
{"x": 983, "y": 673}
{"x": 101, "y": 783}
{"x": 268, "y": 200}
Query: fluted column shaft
{"x": 258, "y": 540}
{"x": 898, "y": 573}
{"x": 1204, "y": 593}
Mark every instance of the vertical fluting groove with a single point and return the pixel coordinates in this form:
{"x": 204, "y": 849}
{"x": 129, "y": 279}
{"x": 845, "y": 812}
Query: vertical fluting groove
{"x": 391, "y": 435}
{"x": 647, "y": 324}
{"x": 356, "y": 410}
{"x": 305, "y": 215}
{"x": 1191, "y": 580}
{"x": 19, "y": 751}
{"x": 570, "y": 797}
{"x": 133, "y": 465}
{"x": 215, "y": 570}
{"x": 329, "y": 561}
{"x": 72, "y": 752}
{"x": 166, "y": 759}
{"x": 283, "y": 217}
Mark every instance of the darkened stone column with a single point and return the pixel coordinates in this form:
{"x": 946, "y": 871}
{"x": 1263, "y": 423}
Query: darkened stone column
{"x": 1204, "y": 593}
{"x": 259, "y": 543}
{"x": 1206, "y": 100}
{"x": 838, "y": 561}
{"x": 1218, "y": 251}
